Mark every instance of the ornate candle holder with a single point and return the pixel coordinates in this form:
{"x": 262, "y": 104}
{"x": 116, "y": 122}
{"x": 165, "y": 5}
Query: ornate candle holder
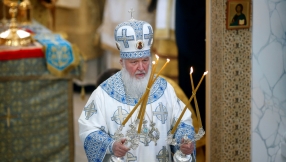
{"x": 14, "y": 36}
{"x": 116, "y": 159}
{"x": 179, "y": 156}
{"x": 132, "y": 139}
{"x": 117, "y": 137}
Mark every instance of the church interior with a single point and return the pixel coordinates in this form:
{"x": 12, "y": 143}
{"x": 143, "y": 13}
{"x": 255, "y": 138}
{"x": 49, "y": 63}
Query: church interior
{"x": 55, "y": 53}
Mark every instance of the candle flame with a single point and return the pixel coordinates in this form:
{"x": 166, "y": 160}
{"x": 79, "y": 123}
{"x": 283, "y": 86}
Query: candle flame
{"x": 157, "y": 57}
{"x": 168, "y": 60}
{"x": 205, "y": 73}
{"x": 191, "y": 70}
{"x": 153, "y": 62}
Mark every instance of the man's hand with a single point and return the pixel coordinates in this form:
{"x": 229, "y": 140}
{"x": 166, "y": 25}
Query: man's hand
{"x": 119, "y": 149}
{"x": 187, "y": 147}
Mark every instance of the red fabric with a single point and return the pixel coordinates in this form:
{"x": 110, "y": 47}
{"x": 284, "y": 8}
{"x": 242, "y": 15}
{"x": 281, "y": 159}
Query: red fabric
{"x": 15, "y": 53}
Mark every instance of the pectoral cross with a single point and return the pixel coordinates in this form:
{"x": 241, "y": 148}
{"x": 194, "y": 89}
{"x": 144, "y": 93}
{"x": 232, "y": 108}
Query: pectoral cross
{"x": 131, "y": 12}
{"x": 145, "y": 139}
{"x": 8, "y": 117}
{"x": 144, "y": 134}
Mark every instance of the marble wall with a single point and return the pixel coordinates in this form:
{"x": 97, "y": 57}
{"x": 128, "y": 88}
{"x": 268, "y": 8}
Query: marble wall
{"x": 268, "y": 115}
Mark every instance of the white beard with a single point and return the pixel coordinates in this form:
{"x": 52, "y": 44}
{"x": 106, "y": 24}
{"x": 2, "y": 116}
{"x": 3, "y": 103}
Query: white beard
{"x": 134, "y": 87}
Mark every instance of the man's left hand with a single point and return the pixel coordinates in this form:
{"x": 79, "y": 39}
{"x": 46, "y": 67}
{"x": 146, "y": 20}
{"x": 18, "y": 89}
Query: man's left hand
{"x": 187, "y": 148}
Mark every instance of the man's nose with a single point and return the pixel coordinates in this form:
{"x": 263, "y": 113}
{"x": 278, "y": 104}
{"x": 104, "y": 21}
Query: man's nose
{"x": 140, "y": 66}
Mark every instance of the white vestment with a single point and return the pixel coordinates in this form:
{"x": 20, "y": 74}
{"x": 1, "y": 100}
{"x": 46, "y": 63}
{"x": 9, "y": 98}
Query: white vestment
{"x": 109, "y": 105}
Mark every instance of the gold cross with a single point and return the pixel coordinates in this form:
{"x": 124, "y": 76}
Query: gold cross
{"x": 131, "y": 11}
{"x": 8, "y": 117}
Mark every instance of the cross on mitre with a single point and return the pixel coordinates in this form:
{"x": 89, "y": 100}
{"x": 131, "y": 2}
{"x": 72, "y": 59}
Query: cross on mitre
{"x": 131, "y": 12}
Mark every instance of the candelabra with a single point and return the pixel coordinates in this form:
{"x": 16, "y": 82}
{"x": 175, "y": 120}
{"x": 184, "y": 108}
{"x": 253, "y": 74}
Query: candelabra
{"x": 179, "y": 156}
{"x": 14, "y": 36}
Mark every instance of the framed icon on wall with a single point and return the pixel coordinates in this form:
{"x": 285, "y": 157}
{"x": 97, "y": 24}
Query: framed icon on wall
{"x": 238, "y": 14}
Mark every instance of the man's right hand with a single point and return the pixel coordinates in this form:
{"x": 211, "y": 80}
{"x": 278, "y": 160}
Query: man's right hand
{"x": 119, "y": 149}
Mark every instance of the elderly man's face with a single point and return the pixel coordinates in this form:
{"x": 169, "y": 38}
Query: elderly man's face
{"x": 137, "y": 68}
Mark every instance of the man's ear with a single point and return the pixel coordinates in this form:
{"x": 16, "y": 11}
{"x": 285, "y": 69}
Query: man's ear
{"x": 121, "y": 62}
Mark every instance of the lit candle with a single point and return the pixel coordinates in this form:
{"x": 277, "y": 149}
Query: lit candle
{"x": 168, "y": 60}
{"x": 145, "y": 100}
{"x": 152, "y": 74}
{"x": 185, "y": 108}
{"x": 155, "y": 63}
{"x": 195, "y": 99}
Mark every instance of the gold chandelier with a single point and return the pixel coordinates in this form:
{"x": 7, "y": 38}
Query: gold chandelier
{"x": 14, "y": 36}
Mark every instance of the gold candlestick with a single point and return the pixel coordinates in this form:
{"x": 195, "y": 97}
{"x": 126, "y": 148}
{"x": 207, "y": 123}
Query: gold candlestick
{"x": 14, "y": 36}
{"x": 185, "y": 108}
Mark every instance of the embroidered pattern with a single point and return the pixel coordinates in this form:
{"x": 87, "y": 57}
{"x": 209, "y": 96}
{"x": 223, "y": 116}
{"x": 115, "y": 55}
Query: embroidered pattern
{"x": 130, "y": 157}
{"x": 110, "y": 148}
{"x": 119, "y": 115}
{"x": 125, "y": 38}
{"x": 163, "y": 155}
{"x": 135, "y": 54}
{"x": 149, "y": 36}
{"x": 184, "y": 129}
{"x": 103, "y": 129}
{"x": 115, "y": 89}
{"x": 161, "y": 113}
{"x": 90, "y": 110}
{"x": 95, "y": 145}
{"x": 136, "y": 25}
{"x": 59, "y": 52}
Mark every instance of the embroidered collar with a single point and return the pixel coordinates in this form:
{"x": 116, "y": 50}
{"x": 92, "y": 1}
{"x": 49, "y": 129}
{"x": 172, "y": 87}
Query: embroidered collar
{"x": 114, "y": 87}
